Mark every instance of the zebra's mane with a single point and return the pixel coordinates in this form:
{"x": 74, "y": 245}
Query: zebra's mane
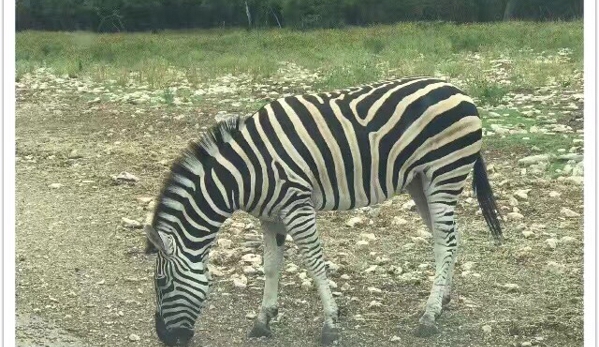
{"x": 198, "y": 151}
{"x": 204, "y": 148}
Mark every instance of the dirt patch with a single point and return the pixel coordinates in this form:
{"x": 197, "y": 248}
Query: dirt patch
{"x": 82, "y": 278}
{"x": 34, "y": 331}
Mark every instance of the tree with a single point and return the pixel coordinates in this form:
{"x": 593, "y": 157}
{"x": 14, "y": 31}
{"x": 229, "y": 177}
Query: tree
{"x": 510, "y": 9}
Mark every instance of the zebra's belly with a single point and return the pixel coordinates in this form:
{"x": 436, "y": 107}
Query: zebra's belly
{"x": 345, "y": 201}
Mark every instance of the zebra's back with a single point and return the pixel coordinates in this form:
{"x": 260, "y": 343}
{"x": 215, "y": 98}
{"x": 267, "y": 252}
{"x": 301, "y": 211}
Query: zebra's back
{"x": 360, "y": 146}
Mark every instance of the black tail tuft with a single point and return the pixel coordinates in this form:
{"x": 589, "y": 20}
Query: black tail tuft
{"x": 486, "y": 200}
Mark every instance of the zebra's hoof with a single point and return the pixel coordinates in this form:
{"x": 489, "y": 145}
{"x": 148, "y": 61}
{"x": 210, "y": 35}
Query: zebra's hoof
{"x": 446, "y": 300}
{"x": 260, "y": 330}
{"x": 329, "y": 335}
{"x": 426, "y": 330}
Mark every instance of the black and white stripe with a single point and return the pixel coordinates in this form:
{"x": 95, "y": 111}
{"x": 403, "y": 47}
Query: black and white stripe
{"x": 302, "y": 154}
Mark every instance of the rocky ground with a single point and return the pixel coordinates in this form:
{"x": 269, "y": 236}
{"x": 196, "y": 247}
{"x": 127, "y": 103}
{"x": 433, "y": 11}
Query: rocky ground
{"x": 91, "y": 156}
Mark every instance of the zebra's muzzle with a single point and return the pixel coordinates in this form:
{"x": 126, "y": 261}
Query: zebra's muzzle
{"x": 172, "y": 337}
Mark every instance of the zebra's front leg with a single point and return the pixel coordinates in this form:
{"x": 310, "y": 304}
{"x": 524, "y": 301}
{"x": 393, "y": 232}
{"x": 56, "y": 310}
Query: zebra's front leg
{"x": 274, "y": 244}
{"x": 301, "y": 225}
{"x": 445, "y": 251}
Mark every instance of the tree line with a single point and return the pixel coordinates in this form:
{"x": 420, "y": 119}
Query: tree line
{"x": 155, "y": 15}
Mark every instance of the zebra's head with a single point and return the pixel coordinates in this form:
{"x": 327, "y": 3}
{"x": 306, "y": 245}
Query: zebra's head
{"x": 181, "y": 286}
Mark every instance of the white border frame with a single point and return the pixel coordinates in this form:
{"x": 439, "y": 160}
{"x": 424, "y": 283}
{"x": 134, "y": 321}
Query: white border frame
{"x": 8, "y": 174}
{"x": 590, "y": 162}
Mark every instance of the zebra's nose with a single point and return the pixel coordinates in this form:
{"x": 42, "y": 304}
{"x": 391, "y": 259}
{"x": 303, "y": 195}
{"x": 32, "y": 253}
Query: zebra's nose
{"x": 174, "y": 336}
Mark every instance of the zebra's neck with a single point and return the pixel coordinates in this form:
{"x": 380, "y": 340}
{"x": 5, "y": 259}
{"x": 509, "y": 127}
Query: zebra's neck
{"x": 197, "y": 198}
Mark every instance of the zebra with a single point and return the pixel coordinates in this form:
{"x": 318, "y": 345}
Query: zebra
{"x": 302, "y": 154}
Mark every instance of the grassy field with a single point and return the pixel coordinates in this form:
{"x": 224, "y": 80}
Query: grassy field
{"x": 341, "y": 57}
{"x": 90, "y": 106}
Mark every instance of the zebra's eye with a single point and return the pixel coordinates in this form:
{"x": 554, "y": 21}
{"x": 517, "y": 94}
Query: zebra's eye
{"x": 161, "y": 281}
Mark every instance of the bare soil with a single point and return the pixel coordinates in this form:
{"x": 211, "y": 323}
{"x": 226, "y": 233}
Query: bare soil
{"x": 83, "y": 280}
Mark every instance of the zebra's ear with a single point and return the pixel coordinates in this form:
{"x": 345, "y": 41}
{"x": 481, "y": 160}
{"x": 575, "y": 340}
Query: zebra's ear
{"x": 160, "y": 241}
{"x": 150, "y": 248}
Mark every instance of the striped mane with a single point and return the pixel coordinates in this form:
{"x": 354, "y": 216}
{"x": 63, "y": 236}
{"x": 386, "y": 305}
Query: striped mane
{"x": 200, "y": 151}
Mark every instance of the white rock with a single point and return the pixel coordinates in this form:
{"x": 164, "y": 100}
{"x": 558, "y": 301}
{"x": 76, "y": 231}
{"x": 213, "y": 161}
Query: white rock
{"x": 131, "y": 223}
{"x": 332, "y": 284}
{"x": 249, "y": 270}
{"x": 467, "y": 266}
{"x": 332, "y": 268}
{"x": 569, "y": 213}
{"x": 252, "y": 258}
{"x": 238, "y": 225}
{"x": 55, "y": 185}
{"x": 345, "y": 277}
{"x": 522, "y": 194}
{"x": 368, "y": 236}
{"x": 145, "y": 199}
{"x": 515, "y": 216}
{"x": 374, "y": 212}
{"x": 513, "y": 201}
{"x": 374, "y": 303}
{"x": 306, "y": 284}
{"x": 134, "y": 337}
{"x": 396, "y": 270}
{"x": 381, "y": 260}
{"x": 362, "y": 244}
{"x": 214, "y": 271}
{"x": 399, "y": 221}
{"x": 424, "y": 233}
{"x": 552, "y": 243}
{"x": 534, "y": 159}
{"x": 528, "y": 234}
{"x": 571, "y": 156}
{"x": 291, "y": 268}
{"x": 409, "y": 206}
{"x": 250, "y": 315}
{"x": 577, "y": 180}
{"x": 240, "y": 281}
{"x": 371, "y": 269}
{"x": 487, "y": 329}
{"x": 554, "y": 194}
{"x": 355, "y": 221}
{"x": 395, "y": 338}
{"x": 524, "y": 251}
{"x": 374, "y": 290}
{"x": 224, "y": 243}
{"x": 126, "y": 177}
{"x": 511, "y": 287}
{"x": 498, "y": 129}
{"x": 556, "y": 267}
{"x": 345, "y": 287}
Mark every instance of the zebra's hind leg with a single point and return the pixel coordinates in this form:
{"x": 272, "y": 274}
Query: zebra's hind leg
{"x": 301, "y": 225}
{"x": 274, "y": 244}
{"x": 416, "y": 191}
{"x": 440, "y": 203}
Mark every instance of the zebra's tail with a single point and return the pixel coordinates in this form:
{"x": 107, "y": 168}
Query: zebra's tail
{"x": 486, "y": 200}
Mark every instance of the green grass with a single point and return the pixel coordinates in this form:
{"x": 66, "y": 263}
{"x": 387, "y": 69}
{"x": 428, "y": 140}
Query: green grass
{"x": 344, "y": 57}
{"x": 490, "y": 61}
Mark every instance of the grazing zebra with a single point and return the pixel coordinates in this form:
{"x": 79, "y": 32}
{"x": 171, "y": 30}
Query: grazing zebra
{"x": 316, "y": 152}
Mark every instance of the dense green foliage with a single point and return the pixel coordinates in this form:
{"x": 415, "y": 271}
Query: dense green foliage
{"x": 139, "y": 15}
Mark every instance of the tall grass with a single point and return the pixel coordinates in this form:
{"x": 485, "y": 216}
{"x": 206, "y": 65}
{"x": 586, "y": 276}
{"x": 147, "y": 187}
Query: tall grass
{"x": 343, "y": 57}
